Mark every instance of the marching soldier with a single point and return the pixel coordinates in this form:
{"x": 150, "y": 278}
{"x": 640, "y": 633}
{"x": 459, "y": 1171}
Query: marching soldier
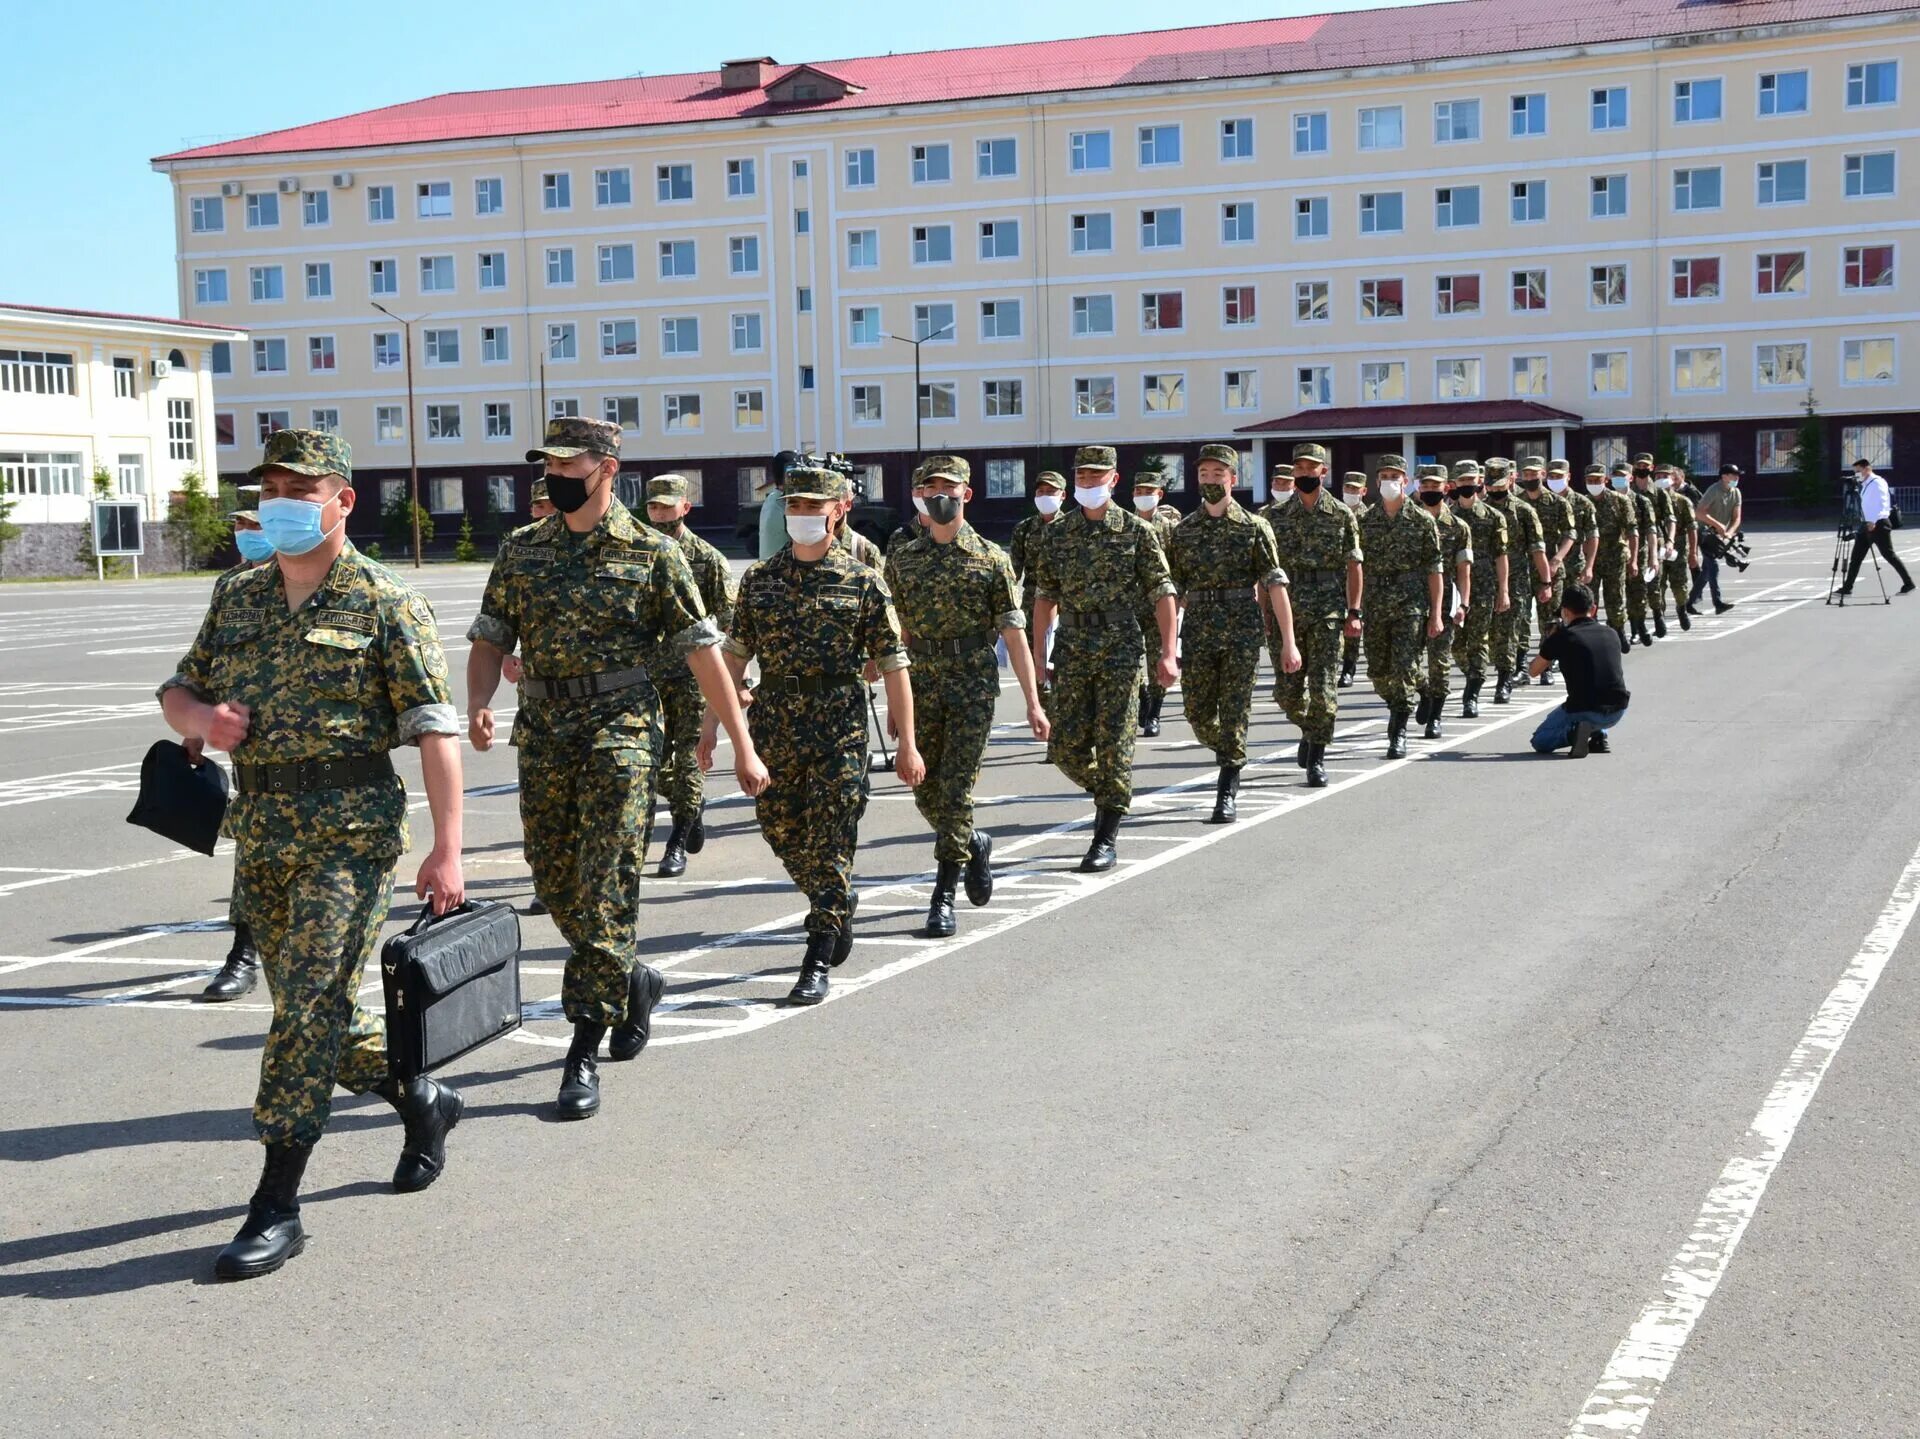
{"x": 1091, "y": 572}
{"x": 1150, "y": 503}
{"x": 1652, "y": 546}
{"x": 680, "y": 779}
{"x": 1677, "y": 572}
{"x": 1529, "y": 579}
{"x": 1353, "y": 490}
{"x": 1319, "y": 545}
{"x": 309, "y": 671}
{"x": 813, "y": 616}
{"x": 1558, "y": 525}
{"x": 1404, "y": 584}
{"x": 1223, "y": 560}
{"x": 1618, "y": 526}
{"x": 590, "y": 596}
{"x": 1586, "y": 537}
{"x": 1656, "y": 486}
{"x": 954, "y": 594}
{"x": 1488, "y": 593}
{"x": 864, "y": 550}
{"x": 1456, "y": 563}
{"x": 1049, "y": 489}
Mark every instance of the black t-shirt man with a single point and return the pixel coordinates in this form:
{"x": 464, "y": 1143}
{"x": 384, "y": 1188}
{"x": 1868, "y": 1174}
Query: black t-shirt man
{"x": 1589, "y": 658}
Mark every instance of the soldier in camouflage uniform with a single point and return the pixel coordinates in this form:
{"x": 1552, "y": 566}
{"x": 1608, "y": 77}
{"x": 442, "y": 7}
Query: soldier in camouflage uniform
{"x": 1456, "y": 564}
{"x": 1489, "y": 595}
{"x": 1528, "y": 575}
{"x": 680, "y": 779}
{"x": 1560, "y": 525}
{"x": 1404, "y": 596}
{"x": 954, "y": 594}
{"x": 1223, "y": 561}
{"x": 590, "y": 596}
{"x": 1645, "y": 571}
{"x": 1091, "y": 572}
{"x": 845, "y": 535}
{"x": 1656, "y": 486}
{"x": 904, "y": 535}
{"x": 308, "y": 671}
{"x": 813, "y": 617}
{"x": 1677, "y": 572}
{"x": 1049, "y": 489}
{"x": 1319, "y": 544}
{"x": 1150, "y": 503}
{"x": 1618, "y": 551}
{"x": 1353, "y": 491}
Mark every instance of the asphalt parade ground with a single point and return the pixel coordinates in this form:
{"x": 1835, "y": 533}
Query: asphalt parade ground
{"x": 1474, "y": 1095}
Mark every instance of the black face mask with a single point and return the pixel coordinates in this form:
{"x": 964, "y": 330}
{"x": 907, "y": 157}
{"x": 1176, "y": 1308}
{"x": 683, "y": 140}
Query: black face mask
{"x": 942, "y": 509}
{"x": 1306, "y": 484}
{"x": 567, "y": 494}
{"x": 1466, "y": 494}
{"x": 671, "y": 527}
{"x": 1213, "y": 494}
{"x": 1432, "y": 498}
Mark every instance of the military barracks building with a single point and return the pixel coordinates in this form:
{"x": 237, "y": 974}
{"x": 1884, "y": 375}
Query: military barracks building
{"x": 1456, "y": 229}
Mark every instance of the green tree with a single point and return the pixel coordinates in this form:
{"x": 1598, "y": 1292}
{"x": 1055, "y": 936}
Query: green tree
{"x": 463, "y": 548}
{"x": 1812, "y": 484}
{"x": 198, "y": 526}
{"x": 396, "y": 523}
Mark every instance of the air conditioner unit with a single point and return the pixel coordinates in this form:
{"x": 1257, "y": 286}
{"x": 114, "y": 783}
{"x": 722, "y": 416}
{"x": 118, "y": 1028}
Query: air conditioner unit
{"x": 343, "y": 180}
{"x": 162, "y": 368}
{"x": 289, "y": 187}
{"x": 230, "y": 188}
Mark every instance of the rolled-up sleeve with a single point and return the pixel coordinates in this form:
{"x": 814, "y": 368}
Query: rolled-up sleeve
{"x": 700, "y": 635}
{"x": 495, "y": 623}
{"x": 414, "y": 666}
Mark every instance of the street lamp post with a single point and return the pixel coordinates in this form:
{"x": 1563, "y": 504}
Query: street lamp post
{"x": 413, "y": 443}
{"x": 916, "y": 379}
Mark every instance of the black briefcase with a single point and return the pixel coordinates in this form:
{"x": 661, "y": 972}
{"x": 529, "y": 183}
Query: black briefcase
{"x": 452, "y": 983}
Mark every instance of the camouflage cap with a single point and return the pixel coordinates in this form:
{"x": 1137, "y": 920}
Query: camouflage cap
{"x": 807, "y": 483}
{"x": 943, "y": 467}
{"x": 1532, "y": 462}
{"x": 1220, "y": 454}
{"x": 306, "y": 452}
{"x": 252, "y": 517}
{"x": 1433, "y": 472}
{"x": 1390, "y": 462}
{"x": 1149, "y": 480}
{"x": 1596, "y": 472}
{"x": 1049, "y": 480}
{"x": 1313, "y": 454}
{"x": 839, "y": 486}
{"x": 1621, "y": 467}
{"x": 667, "y": 487}
{"x": 1466, "y": 469}
{"x": 1559, "y": 467}
{"x": 570, "y": 435}
{"x": 538, "y": 495}
{"x": 1498, "y": 466}
{"x": 1096, "y": 457}
{"x": 1643, "y": 460}
{"x": 1353, "y": 480}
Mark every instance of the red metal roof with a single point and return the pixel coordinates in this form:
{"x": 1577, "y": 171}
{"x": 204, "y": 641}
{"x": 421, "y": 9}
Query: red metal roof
{"x": 110, "y": 315}
{"x": 1413, "y": 417}
{"x": 1250, "y": 48}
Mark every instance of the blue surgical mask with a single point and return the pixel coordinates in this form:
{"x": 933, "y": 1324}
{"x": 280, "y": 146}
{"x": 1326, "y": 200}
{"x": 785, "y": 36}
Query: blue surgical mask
{"x": 292, "y": 527}
{"x": 253, "y": 545}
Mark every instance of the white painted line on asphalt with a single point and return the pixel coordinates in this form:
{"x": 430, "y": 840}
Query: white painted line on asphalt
{"x": 1621, "y": 1403}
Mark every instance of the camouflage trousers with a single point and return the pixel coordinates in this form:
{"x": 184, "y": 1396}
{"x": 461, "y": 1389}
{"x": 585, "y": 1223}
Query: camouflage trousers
{"x": 953, "y": 700}
{"x": 1216, "y": 687}
{"x": 1518, "y": 632}
{"x": 1311, "y": 695}
{"x": 1610, "y": 586}
{"x": 1396, "y": 639}
{"x": 1657, "y": 590}
{"x": 1679, "y": 578}
{"x": 815, "y": 750}
{"x": 1473, "y": 636}
{"x": 1151, "y": 690}
{"x": 1095, "y": 711}
{"x": 1350, "y": 653}
{"x": 315, "y": 923}
{"x": 680, "y": 780}
{"x": 583, "y": 816}
{"x": 1637, "y": 588}
{"x": 1437, "y": 681}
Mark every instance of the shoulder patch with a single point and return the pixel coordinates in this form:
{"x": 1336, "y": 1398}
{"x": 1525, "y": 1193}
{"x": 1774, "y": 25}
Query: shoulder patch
{"x": 420, "y": 610}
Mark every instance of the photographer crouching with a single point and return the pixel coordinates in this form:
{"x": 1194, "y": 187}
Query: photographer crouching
{"x": 1589, "y": 658}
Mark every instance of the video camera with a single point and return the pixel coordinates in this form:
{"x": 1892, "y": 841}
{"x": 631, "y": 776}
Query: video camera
{"x": 1733, "y": 550}
{"x": 808, "y": 460}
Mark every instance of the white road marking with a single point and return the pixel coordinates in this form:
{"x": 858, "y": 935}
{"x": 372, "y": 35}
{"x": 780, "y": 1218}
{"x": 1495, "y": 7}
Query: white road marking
{"x": 1623, "y": 1400}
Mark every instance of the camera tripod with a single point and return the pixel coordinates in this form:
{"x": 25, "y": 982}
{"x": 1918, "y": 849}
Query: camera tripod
{"x": 1843, "y": 543}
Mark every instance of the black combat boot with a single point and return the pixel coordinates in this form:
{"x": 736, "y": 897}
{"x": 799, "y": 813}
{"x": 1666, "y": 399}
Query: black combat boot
{"x": 1681, "y": 615}
{"x": 1422, "y": 710}
{"x": 1659, "y": 624}
{"x": 1583, "y": 734}
{"x": 843, "y": 941}
{"x": 1397, "y": 735}
{"x": 1520, "y": 676}
{"x": 631, "y": 1034}
{"x": 812, "y": 987}
{"x": 1626, "y": 643}
{"x": 1502, "y": 686}
{"x": 537, "y": 906}
{"x": 940, "y": 922}
{"x": 1226, "y": 795}
{"x": 1347, "y": 667}
{"x": 428, "y": 1110}
{"x": 1101, "y": 854}
{"x": 1149, "y": 714}
{"x": 1434, "y": 716}
{"x": 1316, "y": 766}
{"x": 697, "y": 830}
{"x": 1300, "y": 755}
{"x": 580, "y": 1078}
{"x": 979, "y": 868}
{"x": 1470, "y": 698}
{"x": 1547, "y": 674}
{"x": 272, "y": 1234}
{"x": 1640, "y": 633}
{"x": 239, "y": 973}
{"x": 673, "y": 862}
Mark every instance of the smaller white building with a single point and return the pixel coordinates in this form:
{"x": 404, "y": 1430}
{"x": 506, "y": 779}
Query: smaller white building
{"x": 81, "y": 390}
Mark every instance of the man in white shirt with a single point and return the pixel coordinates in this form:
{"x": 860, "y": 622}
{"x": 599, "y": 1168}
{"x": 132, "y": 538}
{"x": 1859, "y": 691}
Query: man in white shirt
{"x": 1876, "y": 527}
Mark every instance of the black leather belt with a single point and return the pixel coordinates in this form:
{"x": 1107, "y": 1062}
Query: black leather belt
{"x": 1234, "y": 594}
{"x": 806, "y": 684}
{"x": 1096, "y": 619}
{"x": 307, "y": 775}
{"x": 582, "y": 687}
{"x": 964, "y": 645}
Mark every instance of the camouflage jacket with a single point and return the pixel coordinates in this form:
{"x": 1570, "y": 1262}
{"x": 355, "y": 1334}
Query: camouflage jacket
{"x": 1683, "y": 524}
{"x": 863, "y": 550}
{"x": 1232, "y": 551}
{"x": 1402, "y": 550}
{"x": 1662, "y": 511}
{"x": 811, "y": 618}
{"x": 1314, "y": 543}
{"x": 590, "y": 604}
{"x": 1525, "y": 535}
{"x": 714, "y": 579}
{"x": 1488, "y": 528}
{"x": 905, "y": 535}
{"x": 1456, "y": 543}
{"x": 953, "y": 591}
{"x": 1647, "y": 517}
{"x": 1556, "y": 520}
{"x": 1165, "y": 523}
{"x": 356, "y": 670}
{"x": 1618, "y": 523}
{"x": 1028, "y": 533}
{"x": 1586, "y": 522}
{"x": 1112, "y": 563}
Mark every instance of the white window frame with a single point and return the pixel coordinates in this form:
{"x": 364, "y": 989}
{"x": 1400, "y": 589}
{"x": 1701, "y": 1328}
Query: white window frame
{"x": 1594, "y": 103}
{"x": 677, "y": 418}
{"x": 1626, "y": 197}
{"x": 1768, "y": 297}
{"x": 866, "y": 404}
{"x": 1806, "y": 364}
{"x": 323, "y": 355}
{"x": 1079, "y": 227}
{"x": 1513, "y": 376}
{"x": 742, "y": 402}
{"x": 1321, "y": 378}
{"x": 556, "y": 191}
{"x": 496, "y": 420}
{"x": 489, "y": 195}
{"x": 1760, "y": 93}
{"x": 1861, "y": 67}
{"x": 1891, "y": 340}
{"x": 430, "y": 265}
{"x": 1147, "y": 379}
{"x": 604, "y": 179}
{"x": 566, "y": 332}
{"x": 1307, "y": 290}
{"x": 1147, "y": 150}
{"x": 1307, "y": 207}
{"x": 743, "y": 177}
{"x": 1480, "y": 386}
{"x": 494, "y": 260}
{"x": 383, "y": 207}
{"x": 1453, "y": 194}
{"x": 1386, "y": 363}
{"x": 1626, "y": 389}
{"x": 990, "y": 333}
{"x": 1519, "y": 105}
{"x": 426, "y": 193}
{"x": 1077, "y": 305}
{"x": 1673, "y": 369}
{"x": 920, "y": 164}
{"x": 1077, "y": 148}
{"x": 1519, "y": 191}
{"x": 1234, "y": 131}
{"x": 609, "y": 335}
{"x": 1248, "y": 383}
{"x": 668, "y": 266}
{"x": 432, "y": 350}
{"x": 392, "y": 263}
{"x": 860, "y": 167}
{"x": 1806, "y": 181}
{"x": 1112, "y": 384}
{"x": 1232, "y": 213}
{"x": 743, "y": 248}
{"x": 1307, "y": 133}
{"x": 1892, "y": 282}
{"x": 988, "y": 390}
{"x": 500, "y": 339}
{"x": 1472, "y": 104}
{"x": 1370, "y": 115}
{"x": 1369, "y": 212}
{"x": 438, "y": 412}
{"x": 857, "y": 316}
{"x": 1690, "y": 81}
{"x": 1848, "y": 164}
{"x": 667, "y": 175}
{"x": 606, "y": 258}
{"x": 926, "y": 395}
{"x": 317, "y": 280}
{"x": 203, "y": 286}
{"x": 316, "y": 210}
{"x": 753, "y": 325}
{"x": 865, "y": 242}
{"x": 1684, "y": 175}
{"x": 921, "y": 245}
{"x": 984, "y": 165}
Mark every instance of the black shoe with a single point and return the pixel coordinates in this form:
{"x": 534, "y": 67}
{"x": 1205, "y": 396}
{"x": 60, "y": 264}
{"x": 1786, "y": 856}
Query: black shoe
{"x": 631, "y": 1034}
{"x": 1905, "y": 589}
{"x": 1317, "y": 766}
{"x": 1470, "y": 699}
{"x": 1300, "y": 755}
{"x": 428, "y": 1109}
{"x": 812, "y": 988}
{"x": 239, "y": 973}
{"x": 940, "y": 923}
{"x": 580, "y": 1079}
{"x": 1547, "y": 676}
{"x": 1145, "y": 716}
{"x": 534, "y": 906}
{"x": 1346, "y": 677}
{"x": 673, "y": 861}
{"x": 1691, "y": 607}
{"x": 1626, "y": 645}
{"x": 1502, "y": 687}
{"x": 843, "y": 941}
{"x": 1101, "y": 854}
{"x": 979, "y": 868}
{"x": 1433, "y": 730}
{"x": 697, "y": 830}
{"x": 1583, "y": 734}
{"x": 1681, "y": 615}
{"x": 1720, "y": 607}
{"x": 1598, "y": 744}
{"x": 1397, "y": 735}
{"x": 1226, "y": 795}
{"x": 1422, "y": 710}
{"x": 272, "y": 1234}
{"x": 1659, "y": 624}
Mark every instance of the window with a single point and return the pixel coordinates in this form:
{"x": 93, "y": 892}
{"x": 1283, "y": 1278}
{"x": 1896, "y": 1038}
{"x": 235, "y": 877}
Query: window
{"x": 620, "y": 339}
{"x": 226, "y": 432}
{"x": 269, "y": 422}
{"x": 1529, "y": 376}
{"x": 934, "y": 322}
{"x": 1699, "y": 367}
{"x": 433, "y": 199}
{"x": 39, "y": 372}
{"x": 1609, "y": 196}
{"x": 269, "y": 357}
{"x": 1529, "y": 291}
{"x": 320, "y": 354}
{"x": 1241, "y": 390}
{"x": 210, "y": 287}
{"x": 383, "y": 277}
{"x": 1697, "y": 279}
{"x": 220, "y": 355}
{"x": 1006, "y": 479}
{"x": 613, "y": 186}
{"x": 1456, "y": 207}
{"x": 131, "y": 475}
{"x": 999, "y": 319}
{"x": 1383, "y": 382}
{"x": 441, "y": 347}
{"x": 263, "y": 211}
{"x": 1783, "y": 92}
{"x": 932, "y": 244}
{"x": 1090, "y": 234}
{"x": 1529, "y": 200}
{"x": 1868, "y": 267}
{"x": 1162, "y": 310}
{"x": 1700, "y": 452}
{"x": 1869, "y": 175}
{"x": 444, "y": 495}
{"x": 931, "y": 164}
{"x": 1159, "y": 145}
{"x": 999, "y": 239}
{"x": 996, "y": 159}
{"x": 1313, "y": 386}
{"x": 39, "y": 473}
{"x": 1609, "y": 450}
{"x": 1697, "y": 189}
{"x": 616, "y": 264}
{"x": 493, "y": 270}
{"x": 866, "y": 404}
{"x": 1456, "y": 379}
{"x": 672, "y": 183}
{"x": 676, "y": 259}
{"x": 500, "y": 494}
{"x": 1093, "y": 396}
{"x": 1608, "y": 372}
{"x": 1382, "y": 214}
{"x": 745, "y": 329}
{"x": 803, "y": 221}
{"x": 1311, "y": 217}
{"x": 1161, "y": 229}
{"x": 803, "y": 300}
{"x": 495, "y": 344}
{"x": 389, "y": 424}
{"x": 860, "y": 169}
{"x": 386, "y": 350}
{"x": 319, "y": 275}
{"x": 1456, "y": 121}
{"x": 1528, "y": 115}
{"x": 1236, "y": 223}
{"x": 1609, "y": 108}
{"x": 1872, "y": 443}
{"x": 1866, "y": 362}
{"x": 380, "y": 209}
{"x": 436, "y": 274}
{"x": 939, "y": 400}
{"x": 488, "y": 199}
{"x": 741, "y": 183}
{"x": 315, "y": 208}
{"x": 1781, "y": 273}
{"x": 682, "y": 414}
{"x": 1312, "y": 302}
{"x": 750, "y": 479}
{"x": 1093, "y": 314}
{"x": 1089, "y": 150}
{"x": 267, "y": 283}
{"x": 1236, "y": 139}
{"x": 1780, "y": 366}
{"x": 1695, "y": 101}
{"x": 1607, "y": 286}
{"x": 556, "y": 190}
{"x": 496, "y": 418}
{"x": 863, "y": 249}
{"x": 206, "y": 215}
{"x": 563, "y": 341}
{"x": 1002, "y": 399}
{"x": 749, "y": 409}
{"x": 1782, "y": 182}
{"x": 1382, "y": 299}
{"x": 1310, "y": 132}
{"x": 1382, "y": 127}
{"x": 1775, "y": 451}
{"x": 1873, "y": 82}
{"x": 1163, "y": 394}
{"x": 1238, "y": 306}
{"x": 443, "y": 422}
{"x": 743, "y": 255}
{"x": 126, "y": 377}
{"x": 1456, "y": 295}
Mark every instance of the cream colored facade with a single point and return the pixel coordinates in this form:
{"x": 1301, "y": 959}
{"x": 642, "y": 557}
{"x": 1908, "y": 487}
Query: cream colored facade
{"x": 1702, "y": 231}
{"x": 81, "y": 391}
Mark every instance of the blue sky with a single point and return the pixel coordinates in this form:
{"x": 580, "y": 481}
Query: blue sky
{"x": 94, "y": 91}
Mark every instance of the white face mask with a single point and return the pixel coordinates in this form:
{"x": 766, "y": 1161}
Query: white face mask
{"x": 1596, "y": 490}
{"x": 1619, "y": 482}
{"x": 1556, "y": 484}
{"x": 1355, "y": 499}
{"x": 1391, "y": 489}
{"x": 1091, "y": 497}
{"x": 807, "y": 529}
{"x": 1146, "y": 504}
{"x": 1280, "y": 497}
{"x": 1047, "y": 504}
{"x": 1665, "y": 482}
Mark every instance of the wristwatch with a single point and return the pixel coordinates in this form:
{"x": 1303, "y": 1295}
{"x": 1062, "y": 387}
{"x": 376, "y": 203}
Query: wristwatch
{"x": 1354, "y": 614}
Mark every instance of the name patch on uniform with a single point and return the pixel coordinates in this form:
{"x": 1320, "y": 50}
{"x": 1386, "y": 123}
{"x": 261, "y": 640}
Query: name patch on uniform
{"x": 346, "y": 620}
{"x": 840, "y": 594}
{"x": 243, "y": 617}
{"x": 542, "y": 553}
